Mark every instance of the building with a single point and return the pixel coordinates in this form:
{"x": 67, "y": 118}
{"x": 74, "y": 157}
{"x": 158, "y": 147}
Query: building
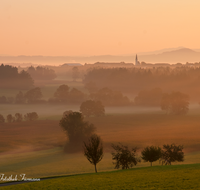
{"x": 136, "y": 60}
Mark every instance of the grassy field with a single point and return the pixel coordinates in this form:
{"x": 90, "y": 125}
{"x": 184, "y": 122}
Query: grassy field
{"x": 177, "y": 177}
{"x": 36, "y": 148}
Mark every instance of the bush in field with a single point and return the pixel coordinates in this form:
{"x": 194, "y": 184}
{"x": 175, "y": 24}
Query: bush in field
{"x": 18, "y": 117}
{"x": 110, "y": 98}
{"x": 149, "y": 97}
{"x": 62, "y": 93}
{"x": 175, "y": 103}
{"x": 76, "y": 129}
{"x": 172, "y": 153}
{"x": 10, "y": 118}
{"x": 31, "y": 116}
{"x": 75, "y": 73}
{"x": 75, "y": 96}
{"x": 151, "y": 154}
{"x": 124, "y": 157}
{"x": 33, "y": 95}
{"x": 90, "y": 107}
{"x": 2, "y": 119}
{"x": 93, "y": 150}
{"x": 19, "y": 98}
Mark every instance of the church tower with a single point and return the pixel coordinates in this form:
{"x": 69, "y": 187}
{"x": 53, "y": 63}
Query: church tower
{"x": 136, "y": 60}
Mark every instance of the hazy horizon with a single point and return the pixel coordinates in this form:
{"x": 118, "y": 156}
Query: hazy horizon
{"x": 77, "y": 28}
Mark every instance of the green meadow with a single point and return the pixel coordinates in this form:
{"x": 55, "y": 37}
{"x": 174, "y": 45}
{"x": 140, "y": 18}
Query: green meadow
{"x": 176, "y": 177}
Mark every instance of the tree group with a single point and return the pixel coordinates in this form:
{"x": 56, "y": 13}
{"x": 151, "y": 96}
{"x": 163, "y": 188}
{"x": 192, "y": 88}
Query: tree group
{"x": 18, "y": 117}
{"x": 175, "y": 103}
{"x": 77, "y": 130}
{"x": 92, "y": 108}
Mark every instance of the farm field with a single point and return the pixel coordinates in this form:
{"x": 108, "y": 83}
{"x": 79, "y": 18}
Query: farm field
{"x": 36, "y": 148}
{"x": 157, "y": 177}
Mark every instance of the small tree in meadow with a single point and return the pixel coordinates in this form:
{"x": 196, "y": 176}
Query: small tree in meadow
{"x": 93, "y": 150}
{"x": 172, "y": 153}
{"x": 31, "y": 116}
{"x": 2, "y": 119}
{"x": 124, "y": 157}
{"x": 18, "y": 117}
{"x": 76, "y": 129}
{"x": 10, "y": 118}
{"x": 151, "y": 154}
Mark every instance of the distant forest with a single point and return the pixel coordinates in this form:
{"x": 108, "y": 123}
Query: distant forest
{"x": 132, "y": 80}
{"x": 41, "y": 73}
{"x": 11, "y": 78}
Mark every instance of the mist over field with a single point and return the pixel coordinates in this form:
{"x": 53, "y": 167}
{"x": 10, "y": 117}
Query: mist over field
{"x": 97, "y": 86}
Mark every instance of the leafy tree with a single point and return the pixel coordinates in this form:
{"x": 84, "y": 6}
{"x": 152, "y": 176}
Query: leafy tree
{"x": 149, "y": 97}
{"x": 165, "y": 103}
{"x": 33, "y": 95}
{"x": 2, "y": 119}
{"x": 76, "y": 129}
{"x": 172, "y": 153}
{"x": 41, "y": 73}
{"x": 18, "y": 117}
{"x": 91, "y": 87}
{"x": 25, "y": 80}
{"x": 93, "y": 150}
{"x": 14, "y": 79}
{"x": 10, "y": 118}
{"x": 19, "y": 98}
{"x": 75, "y": 73}
{"x": 124, "y": 157}
{"x": 110, "y": 97}
{"x": 90, "y": 107}
{"x": 175, "y": 103}
{"x": 151, "y": 154}
{"x": 31, "y": 116}
{"x": 76, "y": 96}
{"x": 62, "y": 93}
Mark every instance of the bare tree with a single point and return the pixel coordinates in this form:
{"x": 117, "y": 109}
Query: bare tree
{"x": 93, "y": 150}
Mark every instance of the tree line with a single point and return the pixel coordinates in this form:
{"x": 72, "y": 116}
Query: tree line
{"x": 18, "y": 117}
{"x": 176, "y": 103}
{"x": 81, "y": 133}
{"x": 66, "y": 95}
{"x": 183, "y": 78}
{"x": 41, "y": 73}
{"x": 11, "y": 78}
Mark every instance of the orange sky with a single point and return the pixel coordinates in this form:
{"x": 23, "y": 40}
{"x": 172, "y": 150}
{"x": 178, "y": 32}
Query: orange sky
{"x": 96, "y": 27}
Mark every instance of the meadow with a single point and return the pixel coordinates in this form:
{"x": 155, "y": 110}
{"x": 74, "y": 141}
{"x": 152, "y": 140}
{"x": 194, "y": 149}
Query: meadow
{"x": 36, "y": 148}
{"x": 176, "y": 177}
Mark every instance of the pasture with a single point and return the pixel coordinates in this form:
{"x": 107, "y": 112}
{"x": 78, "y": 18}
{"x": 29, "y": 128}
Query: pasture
{"x": 36, "y": 148}
{"x": 177, "y": 177}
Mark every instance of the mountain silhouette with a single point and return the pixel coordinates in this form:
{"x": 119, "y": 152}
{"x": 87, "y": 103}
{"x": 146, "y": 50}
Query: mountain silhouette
{"x": 181, "y": 55}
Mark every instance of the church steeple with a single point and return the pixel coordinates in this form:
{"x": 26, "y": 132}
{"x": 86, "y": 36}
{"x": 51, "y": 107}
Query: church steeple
{"x": 136, "y": 60}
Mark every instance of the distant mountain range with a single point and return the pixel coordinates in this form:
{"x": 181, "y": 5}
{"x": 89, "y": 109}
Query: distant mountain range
{"x": 181, "y": 55}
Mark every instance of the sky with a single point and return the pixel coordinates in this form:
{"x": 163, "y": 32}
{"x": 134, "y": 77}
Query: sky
{"x": 97, "y": 27}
